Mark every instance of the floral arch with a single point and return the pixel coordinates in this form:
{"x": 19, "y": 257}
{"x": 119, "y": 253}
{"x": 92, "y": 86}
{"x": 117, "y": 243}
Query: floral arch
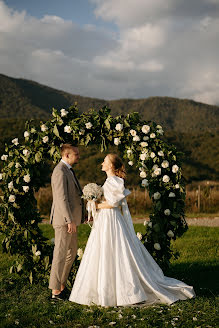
{"x": 138, "y": 141}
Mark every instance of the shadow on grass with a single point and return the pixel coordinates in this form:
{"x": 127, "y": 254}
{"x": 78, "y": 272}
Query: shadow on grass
{"x": 202, "y": 276}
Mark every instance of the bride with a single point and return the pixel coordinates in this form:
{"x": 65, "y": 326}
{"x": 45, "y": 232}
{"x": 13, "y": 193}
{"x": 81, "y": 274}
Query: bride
{"x": 116, "y": 269}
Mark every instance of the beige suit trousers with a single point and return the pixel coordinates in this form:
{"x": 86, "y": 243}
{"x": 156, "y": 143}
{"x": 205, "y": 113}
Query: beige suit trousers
{"x": 64, "y": 253}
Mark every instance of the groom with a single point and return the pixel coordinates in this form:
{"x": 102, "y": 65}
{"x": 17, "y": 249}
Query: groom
{"x": 66, "y": 214}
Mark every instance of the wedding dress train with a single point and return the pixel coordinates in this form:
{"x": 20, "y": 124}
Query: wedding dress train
{"x": 116, "y": 269}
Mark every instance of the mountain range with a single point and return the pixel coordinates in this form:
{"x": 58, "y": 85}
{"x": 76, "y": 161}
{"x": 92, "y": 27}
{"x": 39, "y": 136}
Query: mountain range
{"x": 192, "y": 126}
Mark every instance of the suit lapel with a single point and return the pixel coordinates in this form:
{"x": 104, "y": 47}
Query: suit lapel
{"x": 70, "y": 175}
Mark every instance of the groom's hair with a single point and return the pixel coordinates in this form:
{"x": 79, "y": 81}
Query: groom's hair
{"x": 66, "y": 147}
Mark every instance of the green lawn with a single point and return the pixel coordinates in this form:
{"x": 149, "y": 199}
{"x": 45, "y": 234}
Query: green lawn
{"x": 23, "y": 305}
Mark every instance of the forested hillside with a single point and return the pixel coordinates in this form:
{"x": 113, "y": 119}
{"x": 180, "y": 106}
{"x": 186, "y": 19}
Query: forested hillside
{"x": 193, "y": 127}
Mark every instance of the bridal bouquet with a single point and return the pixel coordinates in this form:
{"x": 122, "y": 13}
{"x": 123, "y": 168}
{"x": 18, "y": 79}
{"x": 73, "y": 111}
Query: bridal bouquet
{"x": 92, "y": 192}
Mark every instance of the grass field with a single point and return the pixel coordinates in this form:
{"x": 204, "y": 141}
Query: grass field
{"x": 23, "y": 305}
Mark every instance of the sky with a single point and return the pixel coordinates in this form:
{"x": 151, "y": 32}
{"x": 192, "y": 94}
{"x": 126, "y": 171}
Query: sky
{"x": 112, "y": 49}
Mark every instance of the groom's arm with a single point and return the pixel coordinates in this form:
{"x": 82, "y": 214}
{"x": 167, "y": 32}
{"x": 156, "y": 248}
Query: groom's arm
{"x": 60, "y": 189}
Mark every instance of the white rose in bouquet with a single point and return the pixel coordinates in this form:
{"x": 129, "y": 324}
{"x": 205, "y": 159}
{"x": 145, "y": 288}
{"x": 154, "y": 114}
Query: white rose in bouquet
{"x": 4, "y": 157}
{"x": 64, "y": 112}
{"x": 88, "y": 125}
{"x": 117, "y": 141}
{"x": 44, "y": 127}
{"x": 157, "y": 246}
{"x": 165, "y": 164}
{"x": 27, "y": 178}
{"x": 167, "y": 212}
{"x": 92, "y": 192}
{"x": 67, "y": 129}
{"x": 119, "y": 127}
{"x": 80, "y": 253}
{"x": 26, "y": 188}
{"x": 26, "y": 134}
{"x": 12, "y": 198}
{"x": 139, "y": 235}
{"x": 45, "y": 139}
{"x": 145, "y": 129}
{"x": 170, "y": 234}
{"x": 166, "y": 178}
{"x": 175, "y": 168}
{"x": 15, "y": 141}
{"x": 157, "y": 195}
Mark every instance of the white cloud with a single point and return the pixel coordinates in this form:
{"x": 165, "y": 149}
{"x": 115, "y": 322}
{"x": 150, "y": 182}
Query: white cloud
{"x": 162, "y": 48}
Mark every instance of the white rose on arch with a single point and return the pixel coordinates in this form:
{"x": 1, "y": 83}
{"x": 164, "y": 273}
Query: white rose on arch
{"x": 45, "y": 139}
{"x": 167, "y": 212}
{"x": 145, "y": 129}
{"x": 139, "y": 235}
{"x": 26, "y": 134}
{"x": 12, "y": 198}
{"x": 157, "y": 171}
{"x": 177, "y": 186}
{"x": 152, "y": 155}
{"x": 166, "y": 178}
{"x": 143, "y": 174}
{"x": 143, "y": 156}
{"x": 117, "y": 141}
{"x": 26, "y": 152}
{"x": 130, "y": 163}
{"x": 38, "y": 253}
{"x": 4, "y": 157}
{"x": 136, "y": 138}
{"x": 143, "y": 144}
{"x": 157, "y": 195}
{"x": 82, "y": 132}
{"x": 170, "y": 234}
{"x": 17, "y": 165}
{"x": 67, "y": 129}
{"x": 144, "y": 183}
{"x": 64, "y": 112}
{"x": 145, "y": 138}
{"x": 26, "y": 178}
{"x": 10, "y": 185}
{"x": 88, "y": 125}
{"x": 157, "y": 246}
{"x": 26, "y": 188}
{"x": 165, "y": 164}
{"x": 152, "y": 135}
{"x": 161, "y": 153}
{"x": 175, "y": 168}
{"x": 119, "y": 127}
{"x": 1, "y": 176}
{"x": 15, "y": 141}
{"x": 133, "y": 133}
{"x": 44, "y": 128}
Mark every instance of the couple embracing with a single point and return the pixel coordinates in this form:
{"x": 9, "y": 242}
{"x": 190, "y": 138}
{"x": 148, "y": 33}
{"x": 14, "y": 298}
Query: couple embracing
{"x": 116, "y": 269}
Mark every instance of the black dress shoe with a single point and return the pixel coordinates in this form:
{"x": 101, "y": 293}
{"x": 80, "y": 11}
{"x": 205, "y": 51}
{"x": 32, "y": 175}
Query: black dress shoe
{"x": 66, "y": 293}
{"x": 59, "y": 297}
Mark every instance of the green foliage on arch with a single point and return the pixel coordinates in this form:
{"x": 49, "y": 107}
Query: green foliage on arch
{"x": 25, "y": 167}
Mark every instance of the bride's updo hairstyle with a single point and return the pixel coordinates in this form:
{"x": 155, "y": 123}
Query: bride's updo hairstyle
{"x": 118, "y": 166}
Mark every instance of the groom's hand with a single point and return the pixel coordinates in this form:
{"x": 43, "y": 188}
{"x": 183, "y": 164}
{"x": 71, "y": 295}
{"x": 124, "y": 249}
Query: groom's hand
{"x": 72, "y": 227}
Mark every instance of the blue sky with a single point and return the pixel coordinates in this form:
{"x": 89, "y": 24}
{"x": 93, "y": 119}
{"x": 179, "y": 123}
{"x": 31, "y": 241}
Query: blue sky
{"x": 113, "y": 49}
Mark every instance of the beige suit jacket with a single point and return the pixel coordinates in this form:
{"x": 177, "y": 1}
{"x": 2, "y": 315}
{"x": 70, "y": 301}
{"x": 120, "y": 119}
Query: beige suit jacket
{"x": 67, "y": 203}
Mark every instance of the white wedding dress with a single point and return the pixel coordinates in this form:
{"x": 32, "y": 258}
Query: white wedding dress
{"x": 116, "y": 269}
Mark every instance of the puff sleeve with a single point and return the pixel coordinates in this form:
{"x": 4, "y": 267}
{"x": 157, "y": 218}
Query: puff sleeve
{"x": 114, "y": 190}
